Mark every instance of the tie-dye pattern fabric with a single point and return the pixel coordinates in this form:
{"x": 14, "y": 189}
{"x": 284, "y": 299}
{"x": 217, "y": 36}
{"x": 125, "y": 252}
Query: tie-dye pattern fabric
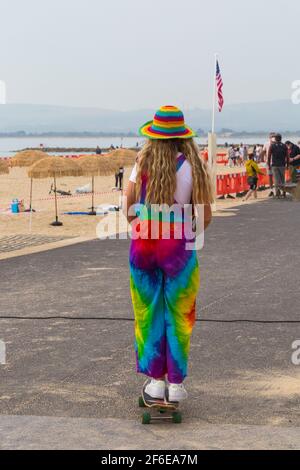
{"x": 164, "y": 281}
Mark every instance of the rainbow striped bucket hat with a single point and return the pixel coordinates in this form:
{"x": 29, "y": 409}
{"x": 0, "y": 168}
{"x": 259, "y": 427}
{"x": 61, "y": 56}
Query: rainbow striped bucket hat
{"x": 168, "y": 123}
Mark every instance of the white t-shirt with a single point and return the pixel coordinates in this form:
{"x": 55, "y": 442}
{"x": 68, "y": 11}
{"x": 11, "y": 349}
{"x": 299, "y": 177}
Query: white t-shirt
{"x": 184, "y": 187}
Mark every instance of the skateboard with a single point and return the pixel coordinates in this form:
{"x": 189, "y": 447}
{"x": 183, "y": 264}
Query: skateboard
{"x": 165, "y": 409}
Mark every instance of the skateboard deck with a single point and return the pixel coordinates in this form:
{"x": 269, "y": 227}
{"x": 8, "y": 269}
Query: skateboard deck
{"x": 166, "y": 410}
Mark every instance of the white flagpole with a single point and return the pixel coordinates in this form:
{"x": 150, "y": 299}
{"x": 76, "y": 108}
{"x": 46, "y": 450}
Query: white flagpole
{"x": 214, "y": 95}
{"x": 212, "y": 138}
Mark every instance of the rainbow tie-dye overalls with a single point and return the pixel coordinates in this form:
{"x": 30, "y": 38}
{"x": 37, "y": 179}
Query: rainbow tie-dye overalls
{"x": 164, "y": 281}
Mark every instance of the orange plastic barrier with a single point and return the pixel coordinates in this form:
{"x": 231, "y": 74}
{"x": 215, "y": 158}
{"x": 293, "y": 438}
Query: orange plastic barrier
{"x": 222, "y": 188}
{"x": 239, "y": 185}
{"x": 236, "y": 183}
{"x": 222, "y": 158}
{"x": 263, "y": 180}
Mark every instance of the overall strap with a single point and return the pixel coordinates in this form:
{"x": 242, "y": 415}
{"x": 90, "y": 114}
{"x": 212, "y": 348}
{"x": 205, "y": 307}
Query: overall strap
{"x": 144, "y": 188}
{"x": 180, "y": 161}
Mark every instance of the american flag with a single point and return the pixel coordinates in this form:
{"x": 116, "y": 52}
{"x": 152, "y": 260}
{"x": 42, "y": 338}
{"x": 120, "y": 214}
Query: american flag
{"x": 219, "y": 87}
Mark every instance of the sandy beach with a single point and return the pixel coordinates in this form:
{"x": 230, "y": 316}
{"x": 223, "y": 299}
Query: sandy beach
{"x": 17, "y": 185}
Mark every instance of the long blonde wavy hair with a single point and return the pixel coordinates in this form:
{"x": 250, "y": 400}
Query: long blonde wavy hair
{"x": 157, "y": 160}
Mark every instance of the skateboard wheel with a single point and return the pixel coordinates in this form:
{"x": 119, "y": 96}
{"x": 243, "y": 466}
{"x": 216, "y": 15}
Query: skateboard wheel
{"x": 177, "y": 418}
{"x": 146, "y": 418}
{"x": 141, "y": 403}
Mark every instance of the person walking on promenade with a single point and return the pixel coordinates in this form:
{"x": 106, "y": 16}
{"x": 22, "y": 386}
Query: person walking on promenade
{"x": 278, "y": 161}
{"x": 254, "y": 153}
{"x": 236, "y": 160}
{"x": 164, "y": 273}
{"x": 243, "y": 154}
{"x": 258, "y": 154}
{"x": 252, "y": 170}
{"x": 265, "y": 152}
{"x": 231, "y": 156}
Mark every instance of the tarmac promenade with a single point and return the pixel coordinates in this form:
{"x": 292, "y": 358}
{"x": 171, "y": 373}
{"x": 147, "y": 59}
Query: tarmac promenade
{"x": 71, "y": 383}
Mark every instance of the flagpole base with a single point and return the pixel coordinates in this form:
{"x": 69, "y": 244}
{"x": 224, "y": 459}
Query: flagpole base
{"x": 56, "y": 223}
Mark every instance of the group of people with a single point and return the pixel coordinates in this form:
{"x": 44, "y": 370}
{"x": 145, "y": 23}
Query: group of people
{"x": 279, "y": 157}
{"x": 237, "y": 155}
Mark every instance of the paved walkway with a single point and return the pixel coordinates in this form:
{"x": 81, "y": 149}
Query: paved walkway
{"x": 17, "y": 242}
{"x": 77, "y": 373}
{"x": 38, "y": 432}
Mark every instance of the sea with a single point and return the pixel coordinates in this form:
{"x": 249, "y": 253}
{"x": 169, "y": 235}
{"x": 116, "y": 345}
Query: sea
{"x": 9, "y": 146}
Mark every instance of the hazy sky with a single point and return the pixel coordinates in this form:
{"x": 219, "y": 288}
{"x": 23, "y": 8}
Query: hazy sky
{"x": 129, "y": 54}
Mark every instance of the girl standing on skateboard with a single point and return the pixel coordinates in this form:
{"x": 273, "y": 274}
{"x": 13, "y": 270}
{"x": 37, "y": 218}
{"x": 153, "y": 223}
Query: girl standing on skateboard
{"x": 164, "y": 273}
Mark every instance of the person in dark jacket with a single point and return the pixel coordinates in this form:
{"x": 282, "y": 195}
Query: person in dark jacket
{"x": 294, "y": 159}
{"x": 294, "y": 150}
{"x": 278, "y": 161}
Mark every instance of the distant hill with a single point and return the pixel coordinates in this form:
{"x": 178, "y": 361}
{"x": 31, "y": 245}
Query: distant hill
{"x": 250, "y": 117}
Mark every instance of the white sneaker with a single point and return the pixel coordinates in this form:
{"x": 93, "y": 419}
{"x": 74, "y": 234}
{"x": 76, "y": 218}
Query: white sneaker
{"x": 156, "y": 389}
{"x": 177, "y": 392}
